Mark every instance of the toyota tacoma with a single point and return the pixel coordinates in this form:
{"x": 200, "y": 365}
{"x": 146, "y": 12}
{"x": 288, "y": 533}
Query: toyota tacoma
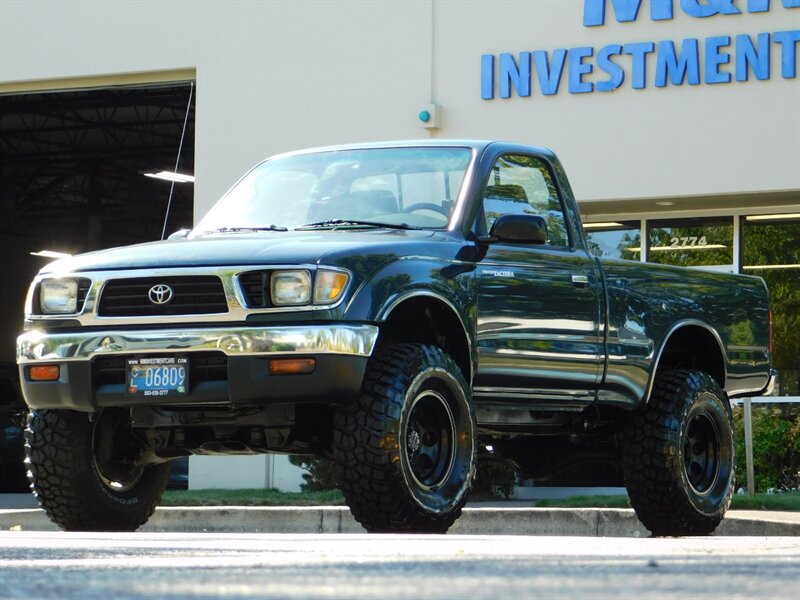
{"x": 401, "y": 309}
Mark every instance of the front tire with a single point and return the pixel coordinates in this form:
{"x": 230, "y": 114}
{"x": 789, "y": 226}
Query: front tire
{"x": 406, "y": 448}
{"x": 83, "y": 472}
{"x": 678, "y": 455}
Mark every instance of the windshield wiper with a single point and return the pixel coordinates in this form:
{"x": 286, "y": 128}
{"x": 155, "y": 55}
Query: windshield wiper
{"x": 234, "y": 229}
{"x": 335, "y": 222}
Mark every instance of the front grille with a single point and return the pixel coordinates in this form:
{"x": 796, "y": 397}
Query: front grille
{"x": 195, "y": 295}
{"x": 203, "y": 366}
{"x": 83, "y": 290}
{"x": 255, "y": 288}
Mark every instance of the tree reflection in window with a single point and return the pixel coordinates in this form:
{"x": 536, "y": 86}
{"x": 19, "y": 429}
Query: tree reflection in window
{"x": 615, "y": 240}
{"x": 522, "y": 184}
{"x": 771, "y": 249}
{"x": 691, "y": 242}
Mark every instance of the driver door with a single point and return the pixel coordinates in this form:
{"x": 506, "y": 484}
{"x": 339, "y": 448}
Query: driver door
{"x": 539, "y": 335}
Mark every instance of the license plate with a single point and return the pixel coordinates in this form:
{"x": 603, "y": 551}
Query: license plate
{"x": 158, "y": 376}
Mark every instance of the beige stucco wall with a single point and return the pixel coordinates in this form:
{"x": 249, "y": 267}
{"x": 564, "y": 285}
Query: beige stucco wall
{"x": 674, "y": 141}
{"x": 245, "y": 472}
{"x": 276, "y": 76}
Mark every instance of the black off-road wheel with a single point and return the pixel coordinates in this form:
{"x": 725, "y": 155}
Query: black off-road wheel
{"x": 405, "y": 449}
{"x": 678, "y": 455}
{"x": 83, "y": 472}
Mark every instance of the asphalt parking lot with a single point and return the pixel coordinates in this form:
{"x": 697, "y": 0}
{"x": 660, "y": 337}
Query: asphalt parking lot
{"x": 165, "y": 565}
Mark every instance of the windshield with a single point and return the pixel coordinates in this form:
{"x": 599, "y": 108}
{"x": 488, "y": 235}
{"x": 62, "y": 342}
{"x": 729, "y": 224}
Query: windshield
{"x": 397, "y": 187}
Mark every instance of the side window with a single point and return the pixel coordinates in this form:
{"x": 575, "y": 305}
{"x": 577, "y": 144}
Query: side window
{"x": 521, "y": 184}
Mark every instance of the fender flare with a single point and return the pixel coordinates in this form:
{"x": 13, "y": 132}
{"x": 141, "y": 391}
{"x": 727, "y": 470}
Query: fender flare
{"x": 676, "y": 327}
{"x": 390, "y": 306}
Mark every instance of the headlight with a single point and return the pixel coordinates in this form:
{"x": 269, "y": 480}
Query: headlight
{"x": 58, "y": 296}
{"x": 329, "y": 286}
{"x": 290, "y": 288}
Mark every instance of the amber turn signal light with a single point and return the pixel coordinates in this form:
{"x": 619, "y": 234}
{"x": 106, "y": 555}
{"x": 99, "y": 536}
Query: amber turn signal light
{"x": 44, "y": 373}
{"x": 292, "y": 366}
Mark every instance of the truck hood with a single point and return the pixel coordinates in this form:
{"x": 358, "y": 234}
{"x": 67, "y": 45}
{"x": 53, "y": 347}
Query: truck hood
{"x": 261, "y": 248}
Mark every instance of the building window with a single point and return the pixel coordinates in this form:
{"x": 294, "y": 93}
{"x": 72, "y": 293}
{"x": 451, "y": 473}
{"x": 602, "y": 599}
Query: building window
{"x": 696, "y": 242}
{"x": 771, "y": 249}
{"x": 617, "y": 239}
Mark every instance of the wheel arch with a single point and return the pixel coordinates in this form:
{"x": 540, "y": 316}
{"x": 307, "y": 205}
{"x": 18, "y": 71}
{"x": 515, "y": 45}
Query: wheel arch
{"x": 690, "y": 344}
{"x": 424, "y": 316}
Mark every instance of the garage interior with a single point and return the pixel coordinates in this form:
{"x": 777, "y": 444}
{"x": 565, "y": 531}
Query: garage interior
{"x": 72, "y": 171}
{"x": 72, "y": 179}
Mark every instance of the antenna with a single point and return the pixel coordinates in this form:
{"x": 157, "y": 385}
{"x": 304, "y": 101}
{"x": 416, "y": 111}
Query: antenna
{"x": 178, "y": 161}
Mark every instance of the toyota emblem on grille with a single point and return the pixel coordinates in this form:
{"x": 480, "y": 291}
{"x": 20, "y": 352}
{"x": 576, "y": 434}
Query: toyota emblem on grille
{"x": 160, "y": 294}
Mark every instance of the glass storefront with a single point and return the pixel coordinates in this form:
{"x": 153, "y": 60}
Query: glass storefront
{"x": 770, "y": 248}
{"x": 695, "y": 242}
{"x": 618, "y": 239}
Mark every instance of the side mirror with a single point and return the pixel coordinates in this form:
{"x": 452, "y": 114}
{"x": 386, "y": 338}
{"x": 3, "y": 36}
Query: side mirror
{"x": 521, "y": 229}
{"x": 181, "y": 234}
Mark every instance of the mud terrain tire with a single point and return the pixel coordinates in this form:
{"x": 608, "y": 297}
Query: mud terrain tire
{"x": 79, "y": 490}
{"x": 678, "y": 455}
{"x": 405, "y": 449}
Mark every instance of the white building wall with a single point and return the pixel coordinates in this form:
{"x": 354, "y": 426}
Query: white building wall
{"x": 228, "y": 472}
{"x": 244, "y": 472}
{"x": 738, "y": 137}
{"x": 271, "y": 76}
{"x": 276, "y": 76}
{"x": 285, "y": 476}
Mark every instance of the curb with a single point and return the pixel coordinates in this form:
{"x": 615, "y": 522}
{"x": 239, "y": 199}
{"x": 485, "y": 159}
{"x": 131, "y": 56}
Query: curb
{"x": 586, "y": 522}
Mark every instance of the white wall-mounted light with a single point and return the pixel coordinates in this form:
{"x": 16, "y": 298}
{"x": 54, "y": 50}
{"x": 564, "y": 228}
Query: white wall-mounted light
{"x": 429, "y": 116}
{"x": 171, "y": 176}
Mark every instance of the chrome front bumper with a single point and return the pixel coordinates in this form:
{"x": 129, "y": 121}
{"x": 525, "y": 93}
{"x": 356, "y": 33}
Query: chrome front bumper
{"x": 46, "y": 346}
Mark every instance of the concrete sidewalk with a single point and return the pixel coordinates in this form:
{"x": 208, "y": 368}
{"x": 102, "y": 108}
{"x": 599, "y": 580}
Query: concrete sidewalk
{"x": 479, "y": 519}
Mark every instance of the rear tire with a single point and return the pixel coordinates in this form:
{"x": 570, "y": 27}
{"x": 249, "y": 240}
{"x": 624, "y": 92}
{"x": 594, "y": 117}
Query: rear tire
{"x": 678, "y": 455}
{"x": 405, "y": 449}
{"x": 83, "y": 472}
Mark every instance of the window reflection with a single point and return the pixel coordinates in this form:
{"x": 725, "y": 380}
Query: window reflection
{"x": 771, "y": 249}
{"x": 691, "y": 242}
{"x": 617, "y": 239}
{"x": 523, "y": 185}
{"x": 416, "y": 187}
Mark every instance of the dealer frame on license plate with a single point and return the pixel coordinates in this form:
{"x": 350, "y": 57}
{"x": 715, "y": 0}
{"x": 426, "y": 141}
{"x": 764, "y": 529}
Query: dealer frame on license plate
{"x": 157, "y": 376}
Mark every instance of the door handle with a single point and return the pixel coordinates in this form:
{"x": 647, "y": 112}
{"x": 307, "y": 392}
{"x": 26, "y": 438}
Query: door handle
{"x": 580, "y": 280}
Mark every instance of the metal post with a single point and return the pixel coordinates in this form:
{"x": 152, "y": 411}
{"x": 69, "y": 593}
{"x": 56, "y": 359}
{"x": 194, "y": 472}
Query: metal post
{"x": 748, "y": 446}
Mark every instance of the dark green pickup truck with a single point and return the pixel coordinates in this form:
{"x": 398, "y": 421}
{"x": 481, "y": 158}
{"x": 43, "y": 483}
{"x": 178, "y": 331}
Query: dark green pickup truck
{"x": 402, "y": 309}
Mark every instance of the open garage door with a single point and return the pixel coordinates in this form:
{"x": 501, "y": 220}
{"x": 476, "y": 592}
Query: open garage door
{"x": 73, "y": 168}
